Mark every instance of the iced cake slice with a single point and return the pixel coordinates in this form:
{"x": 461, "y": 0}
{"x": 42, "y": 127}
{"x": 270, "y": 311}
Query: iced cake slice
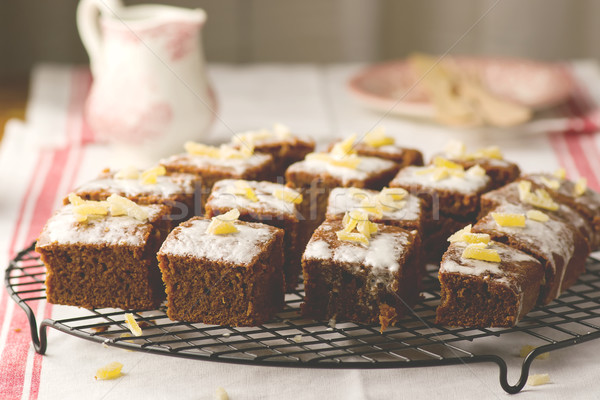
{"x": 103, "y": 254}
{"x": 360, "y": 276}
{"x": 223, "y": 271}
{"x": 486, "y": 283}
{"x": 270, "y": 203}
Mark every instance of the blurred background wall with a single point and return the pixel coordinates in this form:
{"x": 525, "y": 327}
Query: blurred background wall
{"x": 242, "y": 31}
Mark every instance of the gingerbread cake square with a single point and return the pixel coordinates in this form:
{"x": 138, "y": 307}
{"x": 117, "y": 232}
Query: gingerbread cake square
{"x": 285, "y": 147}
{"x": 500, "y": 170}
{"x": 212, "y": 164}
{"x": 267, "y": 202}
{"x": 105, "y": 260}
{"x": 233, "y": 278}
{"x": 480, "y": 294}
{"x": 370, "y": 282}
{"x": 560, "y": 247}
{"x": 176, "y": 191}
{"x": 315, "y": 176}
{"x": 390, "y": 206}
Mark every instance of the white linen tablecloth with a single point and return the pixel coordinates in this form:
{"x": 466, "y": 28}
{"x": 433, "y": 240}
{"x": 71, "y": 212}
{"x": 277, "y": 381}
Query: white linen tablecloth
{"x": 43, "y": 158}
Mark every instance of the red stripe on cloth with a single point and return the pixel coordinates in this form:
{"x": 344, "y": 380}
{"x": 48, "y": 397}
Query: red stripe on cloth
{"x": 14, "y": 358}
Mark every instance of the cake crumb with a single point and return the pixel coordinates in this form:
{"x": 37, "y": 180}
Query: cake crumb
{"x": 538, "y": 379}
{"x": 133, "y": 325}
{"x": 221, "y": 394}
{"x": 332, "y": 323}
{"x": 100, "y": 329}
{"x": 525, "y": 350}
{"x": 110, "y": 371}
{"x": 297, "y": 338}
{"x": 226, "y": 334}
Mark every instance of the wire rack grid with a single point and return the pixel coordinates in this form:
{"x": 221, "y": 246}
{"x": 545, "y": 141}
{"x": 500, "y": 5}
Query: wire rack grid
{"x": 292, "y": 341}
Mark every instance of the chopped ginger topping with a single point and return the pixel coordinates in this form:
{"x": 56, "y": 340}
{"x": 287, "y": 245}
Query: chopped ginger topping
{"x": 288, "y": 195}
{"x": 538, "y": 379}
{"x": 129, "y": 172}
{"x": 279, "y": 132}
{"x": 89, "y": 209}
{"x": 550, "y": 183}
{"x": 488, "y": 152}
{"x": 580, "y": 187}
{"x": 224, "y": 152}
{"x": 525, "y": 350}
{"x": 224, "y": 224}
{"x": 345, "y": 147}
{"x": 560, "y": 174}
{"x": 75, "y": 200}
{"x": 242, "y": 188}
{"x": 110, "y": 371}
{"x": 476, "y": 170}
{"x": 132, "y": 325}
{"x": 537, "y": 215}
{"x": 221, "y": 394}
{"x": 377, "y": 138}
{"x": 540, "y": 198}
{"x": 120, "y": 205}
{"x": 349, "y": 161}
{"x": 478, "y": 251}
{"x": 441, "y": 162}
{"x": 506, "y": 219}
{"x": 440, "y": 174}
{"x": 465, "y": 235}
{"x": 148, "y": 177}
{"x": 396, "y": 194}
{"x": 455, "y": 149}
{"x": 359, "y": 220}
{"x": 353, "y": 237}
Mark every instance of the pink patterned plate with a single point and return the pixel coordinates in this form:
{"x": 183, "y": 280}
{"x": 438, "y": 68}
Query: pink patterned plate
{"x": 393, "y": 86}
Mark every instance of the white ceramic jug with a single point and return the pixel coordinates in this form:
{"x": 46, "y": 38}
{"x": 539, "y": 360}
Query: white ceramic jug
{"x": 150, "y": 91}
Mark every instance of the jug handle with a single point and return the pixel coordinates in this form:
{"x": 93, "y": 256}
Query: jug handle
{"x": 88, "y": 24}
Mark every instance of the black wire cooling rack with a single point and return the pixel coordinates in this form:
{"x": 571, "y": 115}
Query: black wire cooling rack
{"x": 291, "y": 341}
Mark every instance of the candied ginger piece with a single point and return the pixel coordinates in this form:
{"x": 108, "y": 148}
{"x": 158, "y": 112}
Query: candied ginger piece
{"x": 221, "y": 394}
{"x": 378, "y": 138}
{"x": 373, "y": 207}
{"x": 478, "y": 251}
{"x": 230, "y": 215}
{"x": 580, "y": 187}
{"x": 395, "y": 193}
{"x": 109, "y": 371}
{"x": 89, "y": 209}
{"x": 524, "y": 189}
{"x": 465, "y": 235}
{"x": 288, "y": 195}
{"x": 120, "y": 205}
{"x": 561, "y": 174}
{"x": 352, "y": 218}
{"x": 148, "y": 177}
{"x": 439, "y": 174}
{"x": 132, "y": 325}
{"x": 541, "y": 199}
{"x": 537, "y": 215}
{"x": 345, "y": 147}
{"x": 455, "y": 149}
{"x": 525, "y": 350}
{"x": 242, "y": 188}
{"x": 129, "y": 172}
{"x": 550, "y": 183}
{"x": 367, "y": 228}
{"x": 538, "y": 379}
{"x": 349, "y": 161}
{"x": 445, "y": 163}
{"x": 199, "y": 149}
{"x": 508, "y": 219}
{"x": 476, "y": 170}
{"x": 352, "y": 237}
{"x": 75, "y": 199}
{"x": 224, "y": 224}
{"x": 488, "y": 152}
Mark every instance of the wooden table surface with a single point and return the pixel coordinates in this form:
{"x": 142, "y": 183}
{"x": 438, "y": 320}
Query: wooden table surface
{"x": 13, "y": 99}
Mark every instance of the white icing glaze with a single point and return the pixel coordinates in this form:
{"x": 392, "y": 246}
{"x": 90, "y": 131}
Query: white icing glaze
{"x": 367, "y": 167}
{"x": 317, "y": 250}
{"x": 165, "y": 186}
{"x": 383, "y": 252}
{"x": 62, "y": 228}
{"x": 549, "y": 238}
{"x": 220, "y": 197}
{"x": 238, "y": 248}
{"x": 237, "y": 165}
{"x": 342, "y": 200}
{"x": 467, "y": 184}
